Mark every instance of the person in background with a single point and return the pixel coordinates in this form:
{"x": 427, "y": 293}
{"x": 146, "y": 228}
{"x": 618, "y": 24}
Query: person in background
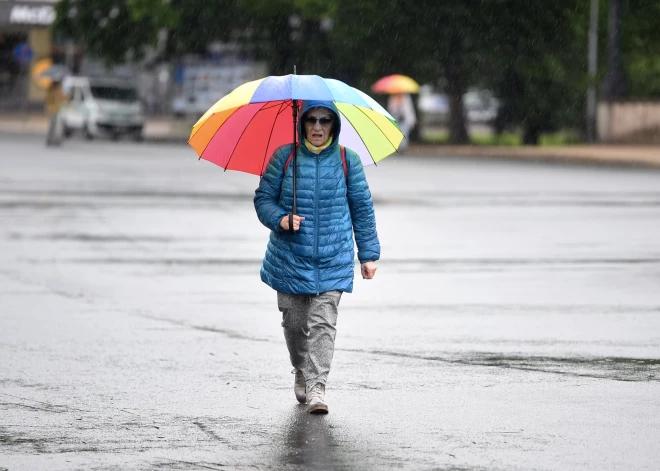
{"x": 401, "y": 107}
{"x": 313, "y": 265}
{"x": 55, "y": 98}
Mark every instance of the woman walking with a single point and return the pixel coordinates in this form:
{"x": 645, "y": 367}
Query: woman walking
{"x": 311, "y": 264}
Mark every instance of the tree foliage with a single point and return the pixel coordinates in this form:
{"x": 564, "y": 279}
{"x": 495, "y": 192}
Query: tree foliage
{"x": 641, "y": 47}
{"x": 532, "y": 55}
{"x": 109, "y": 30}
{"x": 115, "y": 31}
{"x": 537, "y": 62}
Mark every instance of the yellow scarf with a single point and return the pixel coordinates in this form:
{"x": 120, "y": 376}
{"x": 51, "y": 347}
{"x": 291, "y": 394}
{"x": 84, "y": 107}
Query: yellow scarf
{"x": 317, "y": 149}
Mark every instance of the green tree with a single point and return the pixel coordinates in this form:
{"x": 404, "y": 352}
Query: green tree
{"x": 640, "y": 48}
{"x": 108, "y": 30}
{"x": 532, "y": 55}
{"x": 269, "y": 33}
{"x": 536, "y": 63}
{"x": 394, "y": 37}
{"x": 285, "y": 33}
{"x": 115, "y": 31}
{"x": 425, "y": 39}
{"x": 201, "y": 22}
{"x": 355, "y": 40}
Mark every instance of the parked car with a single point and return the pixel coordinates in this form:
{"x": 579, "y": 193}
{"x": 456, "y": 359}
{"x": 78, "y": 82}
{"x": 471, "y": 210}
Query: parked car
{"x": 480, "y": 105}
{"x": 99, "y": 108}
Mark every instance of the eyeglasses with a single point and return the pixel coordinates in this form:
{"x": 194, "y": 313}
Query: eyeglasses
{"x": 312, "y": 120}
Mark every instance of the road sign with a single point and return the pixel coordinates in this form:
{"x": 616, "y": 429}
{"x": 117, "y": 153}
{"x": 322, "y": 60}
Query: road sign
{"x": 23, "y": 53}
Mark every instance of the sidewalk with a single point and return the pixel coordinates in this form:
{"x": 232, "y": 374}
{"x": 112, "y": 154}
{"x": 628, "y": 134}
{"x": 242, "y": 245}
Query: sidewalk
{"x": 156, "y": 128}
{"x": 636, "y": 155}
{"x": 167, "y": 129}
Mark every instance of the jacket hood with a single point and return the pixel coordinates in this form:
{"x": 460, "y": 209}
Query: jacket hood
{"x": 308, "y": 105}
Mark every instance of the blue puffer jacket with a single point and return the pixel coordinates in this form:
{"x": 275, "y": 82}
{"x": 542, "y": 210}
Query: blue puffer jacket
{"x": 320, "y": 256}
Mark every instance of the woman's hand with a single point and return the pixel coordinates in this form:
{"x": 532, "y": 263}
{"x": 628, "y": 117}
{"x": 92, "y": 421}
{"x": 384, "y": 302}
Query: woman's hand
{"x": 284, "y": 222}
{"x": 368, "y": 270}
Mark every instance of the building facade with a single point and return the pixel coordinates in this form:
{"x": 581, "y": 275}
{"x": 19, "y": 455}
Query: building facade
{"x": 25, "y": 38}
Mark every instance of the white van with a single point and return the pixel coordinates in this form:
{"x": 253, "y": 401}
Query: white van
{"x": 100, "y": 108}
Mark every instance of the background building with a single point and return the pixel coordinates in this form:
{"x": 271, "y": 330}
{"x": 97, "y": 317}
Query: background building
{"x": 25, "y": 38}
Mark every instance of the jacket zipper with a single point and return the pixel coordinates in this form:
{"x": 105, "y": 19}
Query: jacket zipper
{"x": 316, "y": 225}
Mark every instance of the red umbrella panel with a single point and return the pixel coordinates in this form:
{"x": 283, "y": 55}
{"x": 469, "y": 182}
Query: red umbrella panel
{"x": 269, "y": 126}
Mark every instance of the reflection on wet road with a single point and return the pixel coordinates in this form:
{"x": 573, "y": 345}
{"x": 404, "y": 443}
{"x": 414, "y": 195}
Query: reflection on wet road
{"x": 309, "y": 442}
{"x": 514, "y": 322}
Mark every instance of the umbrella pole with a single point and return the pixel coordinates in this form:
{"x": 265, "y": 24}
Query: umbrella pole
{"x": 294, "y": 208}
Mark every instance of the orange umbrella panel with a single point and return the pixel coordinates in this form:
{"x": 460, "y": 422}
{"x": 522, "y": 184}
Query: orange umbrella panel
{"x": 394, "y": 84}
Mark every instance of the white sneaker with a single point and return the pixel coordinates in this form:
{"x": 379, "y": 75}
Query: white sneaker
{"x": 316, "y": 399}
{"x": 299, "y": 386}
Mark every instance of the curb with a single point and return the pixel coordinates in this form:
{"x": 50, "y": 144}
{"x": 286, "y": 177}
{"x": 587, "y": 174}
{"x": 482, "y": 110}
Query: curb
{"x": 620, "y": 155}
{"x": 636, "y": 156}
{"x": 39, "y": 127}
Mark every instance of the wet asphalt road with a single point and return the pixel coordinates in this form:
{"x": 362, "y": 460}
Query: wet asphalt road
{"x": 514, "y": 322}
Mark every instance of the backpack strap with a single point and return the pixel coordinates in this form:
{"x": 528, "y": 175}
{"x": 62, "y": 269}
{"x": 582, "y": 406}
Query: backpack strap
{"x": 288, "y": 160}
{"x": 342, "y": 150}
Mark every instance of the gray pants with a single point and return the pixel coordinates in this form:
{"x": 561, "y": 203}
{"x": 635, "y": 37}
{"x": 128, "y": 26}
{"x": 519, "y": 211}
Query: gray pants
{"x": 53, "y": 137}
{"x": 309, "y": 330}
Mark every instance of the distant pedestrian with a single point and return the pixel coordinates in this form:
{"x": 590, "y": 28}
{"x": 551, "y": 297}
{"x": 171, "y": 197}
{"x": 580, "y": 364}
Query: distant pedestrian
{"x": 311, "y": 268}
{"x": 55, "y": 98}
{"x": 401, "y": 107}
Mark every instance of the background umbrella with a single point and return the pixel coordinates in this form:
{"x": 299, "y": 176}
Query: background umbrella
{"x": 39, "y": 68}
{"x": 394, "y": 84}
{"x": 243, "y": 129}
{"x": 56, "y": 73}
{"x": 45, "y": 73}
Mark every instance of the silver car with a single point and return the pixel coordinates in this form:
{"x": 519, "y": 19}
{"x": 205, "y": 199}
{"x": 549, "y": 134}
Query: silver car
{"x": 101, "y": 109}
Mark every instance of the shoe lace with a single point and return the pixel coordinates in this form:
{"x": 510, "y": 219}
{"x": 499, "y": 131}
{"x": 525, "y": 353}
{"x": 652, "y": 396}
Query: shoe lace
{"x": 316, "y": 392}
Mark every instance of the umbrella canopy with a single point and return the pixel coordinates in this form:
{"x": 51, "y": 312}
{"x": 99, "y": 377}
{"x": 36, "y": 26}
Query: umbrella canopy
{"x": 45, "y": 72}
{"x": 55, "y": 72}
{"x": 243, "y": 129}
{"x": 394, "y": 84}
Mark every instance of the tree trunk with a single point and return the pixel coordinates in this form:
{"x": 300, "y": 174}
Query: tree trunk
{"x": 455, "y": 89}
{"x": 531, "y": 134}
{"x": 614, "y": 85}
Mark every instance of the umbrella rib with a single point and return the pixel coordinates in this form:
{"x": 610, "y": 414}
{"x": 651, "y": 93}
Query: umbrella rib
{"x": 365, "y": 144}
{"x": 282, "y": 106}
{"x": 275, "y": 104}
{"x": 236, "y": 108}
{"x": 285, "y": 102}
{"x": 243, "y": 132}
{"x": 209, "y": 142}
{"x": 381, "y": 131}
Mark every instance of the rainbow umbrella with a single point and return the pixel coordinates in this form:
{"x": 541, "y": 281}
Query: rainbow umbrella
{"x": 394, "y": 84}
{"x": 242, "y": 130}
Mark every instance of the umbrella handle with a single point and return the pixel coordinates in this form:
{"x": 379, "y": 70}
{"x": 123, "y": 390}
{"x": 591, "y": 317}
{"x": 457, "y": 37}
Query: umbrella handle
{"x": 294, "y": 209}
